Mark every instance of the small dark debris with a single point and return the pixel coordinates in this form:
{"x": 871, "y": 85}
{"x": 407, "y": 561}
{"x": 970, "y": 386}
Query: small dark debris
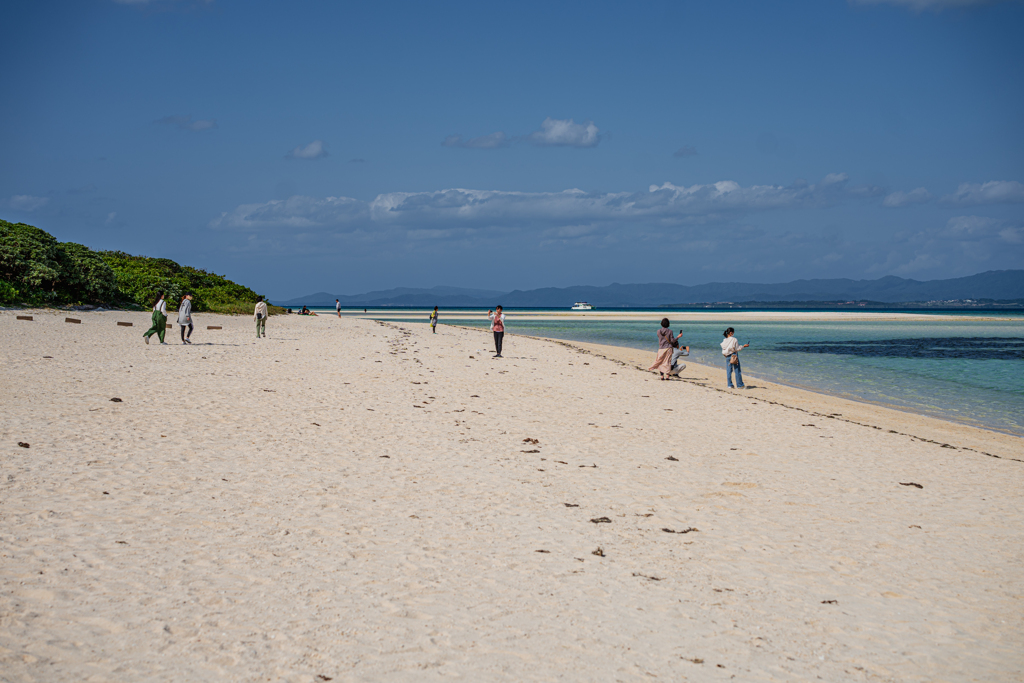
{"x": 529, "y": 440}
{"x": 720, "y": 666}
{"x": 122, "y": 542}
{"x": 695, "y": 660}
{"x": 914, "y": 526}
{"x": 321, "y": 677}
{"x": 599, "y": 552}
{"x": 570, "y": 505}
{"x": 106, "y": 493}
{"x": 542, "y": 551}
{"x": 910, "y": 483}
{"x": 649, "y": 514}
{"x": 601, "y": 520}
{"x": 830, "y": 602}
{"x": 383, "y": 456}
{"x": 532, "y": 451}
{"x": 594, "y": 466}
{"x": 672, "y": 459}
{"x": 116, "y": 400}
{"x": 644, "y": 576}
{"x": 47, "y": 356}
{"x": 315, "y": 424}
{"x": 474, "y": 396}
{"x": 23, "y": 444}
{"x": 561, "y": 462}
{"x": 684, "y": 531}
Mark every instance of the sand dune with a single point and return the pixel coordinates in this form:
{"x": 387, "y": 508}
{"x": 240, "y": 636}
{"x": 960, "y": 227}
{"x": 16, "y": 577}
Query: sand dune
{"x": 356, "y": 500}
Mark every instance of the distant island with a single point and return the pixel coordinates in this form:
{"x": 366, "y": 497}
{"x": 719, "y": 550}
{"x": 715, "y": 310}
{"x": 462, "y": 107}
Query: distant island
{"x": 992, "y": 289}
{"x": 37, "y": 270}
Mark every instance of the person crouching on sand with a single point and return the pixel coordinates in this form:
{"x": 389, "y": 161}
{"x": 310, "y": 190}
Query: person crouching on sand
{"x": 665, "y": 341}
{"x": 678, "y": 351}
{"x": 433, "y": 320}
{"x": 159, "y": 327}
{"x": 260, "y": 316}
{"x": 185, "y": 318}
{"x": 497, "y": 318}
{"x": 731, "y": 351}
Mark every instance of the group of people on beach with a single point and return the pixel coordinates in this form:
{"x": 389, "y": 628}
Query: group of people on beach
{"x": 670, "y": 349}
{"x": 159, "y": 319}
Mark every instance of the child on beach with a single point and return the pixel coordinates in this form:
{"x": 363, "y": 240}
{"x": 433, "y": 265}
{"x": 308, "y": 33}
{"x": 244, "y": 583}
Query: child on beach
{"x": 185, "y": 318}
{"x": 260, "y": 316}
{"x": 159, "y": 326}
{"x": 665, "y": 341}
{"x": 731, "y": 351}
{"x": 497, "y": 318}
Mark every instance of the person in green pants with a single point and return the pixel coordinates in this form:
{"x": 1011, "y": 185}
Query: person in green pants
{"x": 159, "y": 320}
{"x": 260, "y": 316}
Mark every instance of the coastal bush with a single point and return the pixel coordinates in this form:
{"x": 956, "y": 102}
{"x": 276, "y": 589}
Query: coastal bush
{"x": 36, "y": 269}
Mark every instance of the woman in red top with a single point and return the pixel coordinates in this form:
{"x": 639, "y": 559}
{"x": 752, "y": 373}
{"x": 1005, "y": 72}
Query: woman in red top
{"x": 497, "y": 318}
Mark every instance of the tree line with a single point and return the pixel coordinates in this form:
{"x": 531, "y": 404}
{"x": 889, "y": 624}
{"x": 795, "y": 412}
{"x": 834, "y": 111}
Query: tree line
{"x": 37, "y": 270}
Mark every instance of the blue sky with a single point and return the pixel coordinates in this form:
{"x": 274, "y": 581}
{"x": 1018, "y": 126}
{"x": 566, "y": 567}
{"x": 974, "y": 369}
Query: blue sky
{"x": 325, "y": 146}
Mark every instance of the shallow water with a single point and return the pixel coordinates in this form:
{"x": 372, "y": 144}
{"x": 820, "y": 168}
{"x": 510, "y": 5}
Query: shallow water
{"x": 964, "y": 370}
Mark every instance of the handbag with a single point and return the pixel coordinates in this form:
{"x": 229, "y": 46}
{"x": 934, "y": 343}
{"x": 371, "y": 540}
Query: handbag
{"x": 734, "y": 359}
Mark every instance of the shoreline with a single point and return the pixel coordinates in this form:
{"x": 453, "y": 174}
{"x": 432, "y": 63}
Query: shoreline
{"x": 804, "y": 396}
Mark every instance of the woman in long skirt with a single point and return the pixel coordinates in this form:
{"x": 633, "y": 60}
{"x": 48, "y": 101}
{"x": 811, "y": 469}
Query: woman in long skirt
{"x": 159, "y": 326}
{"x": 663, "y": 363}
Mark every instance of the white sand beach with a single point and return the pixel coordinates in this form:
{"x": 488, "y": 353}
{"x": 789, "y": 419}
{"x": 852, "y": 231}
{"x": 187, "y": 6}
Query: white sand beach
{"x": 353, "y": 500}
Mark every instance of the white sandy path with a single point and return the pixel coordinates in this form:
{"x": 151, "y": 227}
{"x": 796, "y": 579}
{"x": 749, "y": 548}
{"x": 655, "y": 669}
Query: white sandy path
{"x": 206, "y": 529}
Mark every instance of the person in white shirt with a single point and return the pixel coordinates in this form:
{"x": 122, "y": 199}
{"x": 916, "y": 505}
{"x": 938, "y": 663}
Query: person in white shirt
{"x": 260, "y": 316}
{"x": 731, "y": 351}
{"x": 337, "y": 307}
{"x": 497, "y": 318}
{"x": 159, "y": 326}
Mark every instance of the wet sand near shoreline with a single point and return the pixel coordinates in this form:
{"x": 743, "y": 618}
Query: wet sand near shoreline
{"x": 356, "y": 500}
{"x": 682, "y": 316}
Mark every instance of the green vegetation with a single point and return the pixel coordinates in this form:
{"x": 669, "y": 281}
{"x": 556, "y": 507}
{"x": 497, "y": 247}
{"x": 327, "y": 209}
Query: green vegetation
{"x": 37, "y": 270}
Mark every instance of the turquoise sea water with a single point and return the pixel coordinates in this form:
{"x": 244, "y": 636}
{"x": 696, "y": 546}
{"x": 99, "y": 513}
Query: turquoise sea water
{"x": 964, "y": 370}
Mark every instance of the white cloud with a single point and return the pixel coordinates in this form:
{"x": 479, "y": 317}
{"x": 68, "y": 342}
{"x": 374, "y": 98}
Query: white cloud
{"x": 295, "y": 212}
{"x": 969, "y": 227}
{"x": 186, "y": 123}
{"x": 934, "y": 5}
{"x": 900, "y": 198}
{"x": 992, "y": 192}
{"x": 565, "y": 133}
{"x": 313, "y": 150}
{"x": 661, "y": 206}
{"x": 26, "y": 202}
{"x": 685, "y": 151}
{"x": 492, "y": 141}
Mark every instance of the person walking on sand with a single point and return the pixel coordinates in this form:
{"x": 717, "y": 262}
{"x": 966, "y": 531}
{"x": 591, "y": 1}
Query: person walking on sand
{"x": 260, "y": 316}
{"x": 665, "y": 341}
{"x": 337, "y": 307}
{"x": 497, "y": 318}
{"x": 731, "y": 351}
{"x": 185, "y": 318}
{"x": 159, "y": 326}
{"x": 433, "y": 320}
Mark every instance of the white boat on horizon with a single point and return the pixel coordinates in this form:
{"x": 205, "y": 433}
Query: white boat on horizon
{"x": 582, "y": 306}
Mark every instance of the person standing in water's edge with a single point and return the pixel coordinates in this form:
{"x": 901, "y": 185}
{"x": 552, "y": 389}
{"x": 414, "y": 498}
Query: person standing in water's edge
{"x": 433, "y": 320}
{"x": 260, "y": 316}
{"x": 497, "y": 318}
{"x": 185, "y": 318}
{"x": 731, "y": 351}
{"x": 159, "y": 327}
{"x": 665, "y": 341}
{"x": 337, "y": 307}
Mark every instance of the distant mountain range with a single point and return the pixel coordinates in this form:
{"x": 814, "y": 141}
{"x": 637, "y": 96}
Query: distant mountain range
{"x": 994, "y": 284}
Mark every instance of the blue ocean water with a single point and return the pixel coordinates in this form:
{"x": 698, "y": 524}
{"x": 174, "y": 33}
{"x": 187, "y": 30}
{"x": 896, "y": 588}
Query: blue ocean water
{"x": 964, "y": 370}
